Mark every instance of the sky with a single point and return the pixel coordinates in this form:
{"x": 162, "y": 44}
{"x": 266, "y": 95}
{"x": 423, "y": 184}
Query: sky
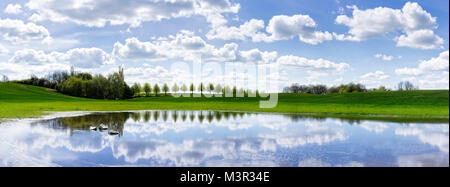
{"x": 327, "y": 42}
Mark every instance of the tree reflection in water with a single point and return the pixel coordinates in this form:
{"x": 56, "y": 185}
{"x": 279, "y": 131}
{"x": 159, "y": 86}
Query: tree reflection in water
{"x": 116, "y": 120}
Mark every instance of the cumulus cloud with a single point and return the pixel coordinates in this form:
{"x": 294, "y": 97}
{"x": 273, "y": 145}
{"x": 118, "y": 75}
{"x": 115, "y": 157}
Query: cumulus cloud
{"x": 247, "y": 30}
{"x": 79, "y": 57}
{"x": 373, "y": 79}
{"x": 280, "y": 27}
{"x": 13, "y": 9}
{"x": 88, "y": 57}
{"x": 319, "y": 65}
{"x": 93, "y": 13}
{"x": 33, "y": 57}
{"x": 440, "y": 63}
{"x": 17, "y": 31}
{"x": 135, "y": 49}
{"x": 255, "y": 55}
{"x": 416, "y": 24}
{"x": 434, "y": 73}
{"x": 378, "y": 75}
{"x": 184, "y": 45}
{"x": 287, "y": 27}
{"x": 421, "y": 39}
{"x": 384, "y": 57}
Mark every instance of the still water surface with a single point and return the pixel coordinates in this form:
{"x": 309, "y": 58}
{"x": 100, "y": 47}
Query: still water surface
{"x": 206, "y": 138}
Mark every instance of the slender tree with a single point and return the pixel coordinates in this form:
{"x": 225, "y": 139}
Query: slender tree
{"x": 175, "y": 88}
{"x": 156, "y": 89}
{"x": 165, "y": 89}
{"x": 192, "y": 88}
{"x": 184, "y": 88}
{"x": 147, "y": 89}
{"x": 210, "y": 88}
{"x": 218, "y": 88}
{"x": 240, "y": 93}
{"x": 201, "y": 87}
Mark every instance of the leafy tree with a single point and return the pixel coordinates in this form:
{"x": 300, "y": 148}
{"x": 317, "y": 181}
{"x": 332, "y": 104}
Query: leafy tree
{"x": 136, "y": 89}
{"x": 218, "y": 88}
{"x": 85, "y": 84}
{"x": 210, "y": 88}
{"x": 184, "y": 88}
{"x": 116, "y": 87}
{"x": 241, "y": 92}
{"x": 165, "y": 89}
{"x": 100, "y": 87}
{"x": 156, "y": 89}
{"x": 147, "y": 89}
{"x": 175, "y": 88}
{"x": 127, "y": 92}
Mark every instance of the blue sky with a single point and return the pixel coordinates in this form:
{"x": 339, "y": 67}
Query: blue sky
{"x": 328, "y": 42}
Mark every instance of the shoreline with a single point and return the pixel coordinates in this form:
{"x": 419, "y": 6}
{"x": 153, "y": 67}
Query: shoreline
{"x": 370, "y": 117}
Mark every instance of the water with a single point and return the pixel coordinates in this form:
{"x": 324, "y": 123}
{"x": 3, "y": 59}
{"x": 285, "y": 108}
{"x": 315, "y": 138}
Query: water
{"x": 194, "y": 138}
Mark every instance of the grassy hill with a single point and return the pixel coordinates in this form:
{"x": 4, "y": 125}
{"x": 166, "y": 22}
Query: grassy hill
{"x": 18, "y": 101}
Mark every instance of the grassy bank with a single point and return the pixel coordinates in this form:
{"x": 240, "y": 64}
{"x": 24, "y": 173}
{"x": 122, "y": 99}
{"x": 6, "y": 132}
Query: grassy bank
{"x": 17, "y": 101}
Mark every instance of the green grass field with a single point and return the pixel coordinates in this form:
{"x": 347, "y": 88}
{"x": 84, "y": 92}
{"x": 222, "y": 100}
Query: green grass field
{"x": 19, "y": 101}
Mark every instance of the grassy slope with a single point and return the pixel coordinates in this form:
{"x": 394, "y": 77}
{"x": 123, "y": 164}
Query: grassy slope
{"x": 28, "y": 101}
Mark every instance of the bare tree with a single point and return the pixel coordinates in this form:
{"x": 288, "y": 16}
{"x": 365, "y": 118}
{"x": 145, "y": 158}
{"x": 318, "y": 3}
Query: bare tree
{"x": 406, "y": 86}
{"x": 5, "y": 78}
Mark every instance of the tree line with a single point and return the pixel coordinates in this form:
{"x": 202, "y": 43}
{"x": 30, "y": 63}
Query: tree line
{"x": 343, "y": 88}
{"x": 114, "y": 87}
{"x": 147, "y": 90}
{"x": 84, "y": 84}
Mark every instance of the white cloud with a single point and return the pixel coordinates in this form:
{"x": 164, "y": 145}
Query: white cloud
{"x": 440, "y": 63}
{"x": 378, "y": 75}
{"x": 287, "y": 27}
{"x": 133, "y": 49}
{"x": 373, "y": 79}
{"x": 13, "y": 9}
{"x": 184, "y": 45}
{"x": 17, "y": 31}
{"x": 33, "y": 57}
{"x": 408, "y": 71}
{"x": 416, "y": 24}
{"x": 314, "y": 66}
{"x": 384, "y": 57}
{"x": 433, "y": 73}
{"x": 150, "y": 74}
{"x": 280, "y": 27}
{"x": 247, "y": 30}
{"x": 88, "y": 57}
{"x": 79, "y": 57}
{"x": 98, "y": 13}
{"x": 255, "y": 55}
{"x": 421, "y": 39}
{"x": 3, "y": 50}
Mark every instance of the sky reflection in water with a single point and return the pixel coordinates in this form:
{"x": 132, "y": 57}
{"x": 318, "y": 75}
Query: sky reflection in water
{"x": 194, "y": 138}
